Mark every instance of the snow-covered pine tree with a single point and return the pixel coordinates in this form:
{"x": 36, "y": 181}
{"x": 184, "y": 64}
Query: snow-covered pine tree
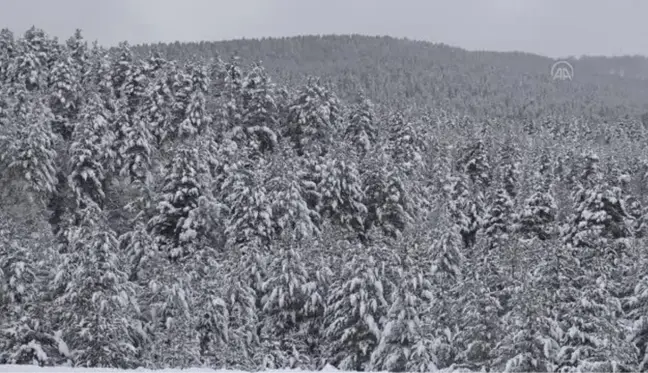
{"x": 464, "y": 213}
{"x": 28, "y": 150}
{"x": 7, "y": 53}
{"x": 65, "y": 98}
{"x": 159, "y": 101}
{"x": 314, "y": 120}
{"x": 251, "y": 215}
{"x": 30, "y": 65}
{"x": 388, "y": 203}
{"x": 183, "y": 186}
{"x": 94, "y": 303}
{"x": 539, "y": 212}
{"x": 259, "y": 113}
{"x": 600, "y": 217}
{"x": 135, "y": 148}
{"x": 77, "y": 48}
{"x": 122, "y": 67}
{"x": 342, "y": 195}
{"x": 500, "y": 219}
{"x": 91, "y": 154}
{"x": 133, "y": 90}
{"x": 405, "y": 145}
{"x": 355, "y": 308}
{"x": 189, "y": 116}
{"x": 287, "y": 290}
{"x": 361, "y": 130}
{"x": 292, "y": 217}
{"x": 475, "y": 164}
{"x": 405, "y": 345}
{"x": 531, "y": 335}
{"x": 589, "y": 315}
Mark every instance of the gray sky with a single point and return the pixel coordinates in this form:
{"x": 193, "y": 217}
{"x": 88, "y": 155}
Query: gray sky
{"x": 550, "y": 27}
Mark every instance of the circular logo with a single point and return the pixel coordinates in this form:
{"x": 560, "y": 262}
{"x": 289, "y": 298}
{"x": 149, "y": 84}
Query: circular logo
{"x": 562, "y": 70}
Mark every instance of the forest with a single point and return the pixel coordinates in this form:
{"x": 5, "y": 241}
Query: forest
{"x": 396, "y": 206}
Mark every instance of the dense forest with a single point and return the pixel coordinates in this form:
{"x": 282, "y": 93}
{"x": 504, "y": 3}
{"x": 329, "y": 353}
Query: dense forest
{"x": 399, "y": 206}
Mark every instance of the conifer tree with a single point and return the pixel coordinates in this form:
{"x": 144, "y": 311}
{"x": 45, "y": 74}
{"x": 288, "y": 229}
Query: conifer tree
{"x": 183, "y": 186}
{"x": 91, "y": 155}
{"x": 404, "y": 345}
{"x": 259, "y": 112}
{"x": 122, "y": 68}
{"x": 342, "y": 196}
{"x": 355, "y": 309}
{"x": 314, "y": 120}
{"x": 30, "y": 65}
{"x": 94, "y": 302}
{"x": 361, "y": 130}
{"x": 28, "y": 150}
{"x": 65, "y": 99}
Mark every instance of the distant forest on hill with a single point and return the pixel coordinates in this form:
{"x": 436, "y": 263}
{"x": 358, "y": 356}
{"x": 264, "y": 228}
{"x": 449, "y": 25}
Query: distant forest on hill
{"x": 372, "y": 204}
{"x": 415, "y": 74}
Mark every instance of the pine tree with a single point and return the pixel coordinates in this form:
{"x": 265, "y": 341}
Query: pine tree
{"x": 65, "y": 99}
{"x": 292, "y": 217}
{"x": 313, "y": 120}
{"x": 30, "y": 65}
{"x": 342, "y": 196}
{"x": 286, "y": 291}
{"x": 405, "y": 145}
{"x": 7, "y": 53}
{"x": 29, "y": 151}
{"x": 259, "y": 112}
{"x": 361, "y": 130}
{"x": 122, "y": 68}
{"x": 91, "y": 154}
{"x": 464, "y": 212}
{"x": 599, "y": 216}
{"x": 388, "y": 202}
{"x": 77, "y": 48}
{"x": 539, "y": 212}
{"x": 136, "y": 149}
{"x": 183, "y": 186}
{"x": 158, "y": 104}
{"x": 404, "y": 346}
{"x": 94, "y": 302}
{"x": 251, "y": 216}
{"x": 355, "y": 308}
{"x": 500, "y": 219}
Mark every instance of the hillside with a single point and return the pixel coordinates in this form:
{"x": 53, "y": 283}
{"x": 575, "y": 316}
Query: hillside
{"x": 162, "y": 214}
{"x": 406, "y": 73}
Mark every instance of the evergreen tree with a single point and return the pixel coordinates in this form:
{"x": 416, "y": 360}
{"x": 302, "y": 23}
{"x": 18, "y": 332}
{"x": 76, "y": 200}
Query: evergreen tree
{"x": 183, "y": 186}
{"x": 361, "y": 130}
{"x": 313, "y": 120}
{"x": 94, "y": 302}
{"x": 404, "y": 345}
{"x": 28, "y": 151}
{"x": 259, "y": 118}
{"x": 342, "y": 196}
{"x": 30, "y": 65}
{"x": 91, "y": 155}
{"x": 355, "y": 308}
{"x": 122, "y": 68}
{"x": 65, "y": 99}
{"x": 405, "y": 145}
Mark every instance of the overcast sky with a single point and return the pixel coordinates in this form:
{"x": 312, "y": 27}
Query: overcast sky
{"x": 550, "y": 27}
